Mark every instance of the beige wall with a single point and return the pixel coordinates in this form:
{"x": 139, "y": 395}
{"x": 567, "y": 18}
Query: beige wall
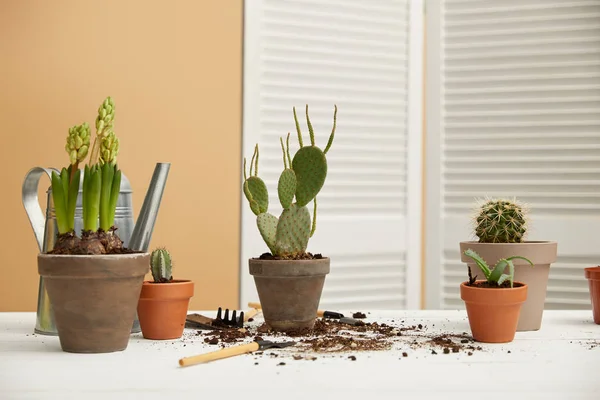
{"x": 174, "y": 70}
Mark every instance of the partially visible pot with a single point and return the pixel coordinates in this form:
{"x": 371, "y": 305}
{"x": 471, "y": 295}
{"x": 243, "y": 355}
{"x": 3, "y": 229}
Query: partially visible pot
{"x": 493, "y": 312}
{"x": 541, "y": 253}
{"x": 289, "y": 291}
{"x": 94, "y": 298}
{"x": 593, "y": 276}
{"x": 163, "y": 307}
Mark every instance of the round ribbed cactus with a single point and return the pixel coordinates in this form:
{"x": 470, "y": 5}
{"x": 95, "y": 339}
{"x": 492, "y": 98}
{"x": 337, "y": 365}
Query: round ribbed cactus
{"x": 161, "y": 265}
{"x": 501, "y": 221}
{"x": 302, "y": 179}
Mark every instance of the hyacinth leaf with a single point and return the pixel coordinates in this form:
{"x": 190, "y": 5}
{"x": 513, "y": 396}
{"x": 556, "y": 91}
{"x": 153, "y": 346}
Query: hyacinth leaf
{"x": 293, "y": 230}
{"x": 257, "y": 194}
{"x": 286, "y": 188}
{"x": 479, "y": 261}
{"x": 310, "y": 166}
{"x": 64, "y": 178}
{"x": 267, "y": 226}
{"x": 72, "y": 198}
{"x": 60, "y": 209}
{"x": 114, "y": 196}
{"x": 108, "y": 171}
{"x": 91, "y": 190}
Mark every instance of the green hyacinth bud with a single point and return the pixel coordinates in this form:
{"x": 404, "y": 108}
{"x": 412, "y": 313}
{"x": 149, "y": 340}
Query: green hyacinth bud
{"x": 106, "y": 115}
{"x": 109, "y": 148}
{"x": 78, "y": 142}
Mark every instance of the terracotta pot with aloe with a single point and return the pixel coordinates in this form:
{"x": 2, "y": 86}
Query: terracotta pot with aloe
{"x": 494, "y": 303}
{"x": 93, "y": 282}
{"x": 289, "y": 279}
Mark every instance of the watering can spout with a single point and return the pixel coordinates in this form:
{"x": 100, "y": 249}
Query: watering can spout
{"x": 144, "y": 226}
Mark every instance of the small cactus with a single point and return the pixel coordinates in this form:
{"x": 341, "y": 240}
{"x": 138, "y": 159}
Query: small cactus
{"x": 302, "y": 179}
{"x": 161, "y": 265}
{"x": 500, "y": 221}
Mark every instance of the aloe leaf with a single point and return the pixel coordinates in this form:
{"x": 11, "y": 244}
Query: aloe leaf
{"x": 498, "y": 270}
{"x": 479, "y": 261}
{"x": 503, "y": 278}
{"x": 521, "y": 258}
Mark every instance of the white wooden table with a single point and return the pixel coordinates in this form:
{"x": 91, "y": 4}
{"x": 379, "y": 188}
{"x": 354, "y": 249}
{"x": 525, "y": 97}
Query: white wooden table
{"x": 560, "y": 361}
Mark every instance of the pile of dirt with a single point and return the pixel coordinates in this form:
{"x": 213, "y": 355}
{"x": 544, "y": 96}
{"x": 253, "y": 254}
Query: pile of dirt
{"x": 302, "y": 256}
{"x": 330, "y": 336}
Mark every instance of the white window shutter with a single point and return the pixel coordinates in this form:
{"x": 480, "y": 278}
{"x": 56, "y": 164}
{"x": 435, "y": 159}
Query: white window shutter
{"x": 354, "y": 54}
{"x": 519, "y": 94}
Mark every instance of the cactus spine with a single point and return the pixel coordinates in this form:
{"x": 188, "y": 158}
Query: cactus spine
{"x": 302, "y": 178}
{"x": 501, "y": 221}
{"x": 161, "y": 266}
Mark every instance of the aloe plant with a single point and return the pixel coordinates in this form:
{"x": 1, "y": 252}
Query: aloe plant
{"x": 495, "y": 276}
{"x": 302, "y": 178}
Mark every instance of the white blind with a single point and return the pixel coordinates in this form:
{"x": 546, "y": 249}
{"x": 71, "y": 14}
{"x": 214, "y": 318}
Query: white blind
{"x": 521, "y": 117}
{"x": 353, "y": 54}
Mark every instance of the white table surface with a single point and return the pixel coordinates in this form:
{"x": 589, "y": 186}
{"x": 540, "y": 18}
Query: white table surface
{"x": 559, "y": 361}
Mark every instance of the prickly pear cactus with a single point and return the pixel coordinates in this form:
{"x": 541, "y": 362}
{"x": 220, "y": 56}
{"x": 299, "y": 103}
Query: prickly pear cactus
{"x": 293, "y": 230}
{"x": 501, "y": 221}
{"x": 302, "y": 178}
{"x": 161, "y": 266}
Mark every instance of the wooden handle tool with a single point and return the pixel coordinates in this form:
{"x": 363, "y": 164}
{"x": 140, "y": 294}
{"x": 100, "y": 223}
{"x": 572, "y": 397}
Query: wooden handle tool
{"x": 232, "y": 351}
{"x": 249, "y": 314}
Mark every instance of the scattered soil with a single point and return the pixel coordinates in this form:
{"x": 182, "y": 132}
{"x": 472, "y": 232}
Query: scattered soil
{"x": 301, "y": 256}
{"x": 359, "y": 315}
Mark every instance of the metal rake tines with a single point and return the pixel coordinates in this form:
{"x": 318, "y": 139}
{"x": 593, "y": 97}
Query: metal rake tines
{"x": 233, "y": 321}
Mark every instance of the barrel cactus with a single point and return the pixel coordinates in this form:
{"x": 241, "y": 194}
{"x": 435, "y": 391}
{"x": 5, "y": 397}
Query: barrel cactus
{"x": 302, "y": 178}
{"x": 161, "y": 266}
{"x": 501, "y": 221}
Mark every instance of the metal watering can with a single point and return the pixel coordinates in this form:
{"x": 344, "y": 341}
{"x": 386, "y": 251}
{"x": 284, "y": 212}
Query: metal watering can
{"x": 135, "y": 236}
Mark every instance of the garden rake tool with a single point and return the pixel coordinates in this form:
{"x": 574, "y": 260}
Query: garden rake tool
{"x": 322, "y": 314}
{"x": 233, "y": 351}
{"x": 222, "y": 321}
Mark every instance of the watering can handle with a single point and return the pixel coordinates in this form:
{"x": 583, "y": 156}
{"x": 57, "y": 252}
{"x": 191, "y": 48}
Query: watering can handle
{"x": 32, "y": 204}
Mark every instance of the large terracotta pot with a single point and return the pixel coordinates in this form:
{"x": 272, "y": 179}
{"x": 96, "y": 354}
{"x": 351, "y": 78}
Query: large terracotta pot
{"x": 94, "y": 298}
{"x": 289, "y": 291}
{"x": 493, "y": 312}
{"x": 163, "y": 308}
{"x": 593, "y": 276}
{"x": 542, "y": 254}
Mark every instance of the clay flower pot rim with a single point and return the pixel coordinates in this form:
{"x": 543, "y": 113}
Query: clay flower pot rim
{"x": 95, "y": 256}
{"x": 482, "y": 288}
{"x": 173, "y": 282}
{"x": 540, "y": 242}
{"x": 592, "y": 273}
{"x": 287, "y": 261}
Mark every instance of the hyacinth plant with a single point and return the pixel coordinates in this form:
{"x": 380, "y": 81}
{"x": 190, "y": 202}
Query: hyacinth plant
{"x": 302, "y": 178}
{"x": 161, "y": 266}
{"x": 495, "y": 277}
{"x": 501, "y": 221}
{"x": 100, "y": 188}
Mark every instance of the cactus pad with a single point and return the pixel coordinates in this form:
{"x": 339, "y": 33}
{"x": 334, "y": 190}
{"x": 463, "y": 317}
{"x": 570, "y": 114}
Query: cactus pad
{"x": 293, "y": 230}
{"x": 310, "y": 166}
{"x": 501, "y": 221}
{"x": 286, "y": 187}
{"x": 267, "y": 226}
{"x": 257, "y": 194}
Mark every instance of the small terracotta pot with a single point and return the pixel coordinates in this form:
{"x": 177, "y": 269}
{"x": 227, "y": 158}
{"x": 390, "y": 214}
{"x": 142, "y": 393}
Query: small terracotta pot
{"x": 541, "y": 253}
{"x": 94, "y": 298}
{"x": 493, "y": 312}
{"x": 289, "y": 291}
{"x": 593, "y": 276}
{"x": 162, "y": 308}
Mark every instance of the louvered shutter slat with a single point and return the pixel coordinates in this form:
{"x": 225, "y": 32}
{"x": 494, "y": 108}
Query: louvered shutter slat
{"x": 521, "y": 117}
